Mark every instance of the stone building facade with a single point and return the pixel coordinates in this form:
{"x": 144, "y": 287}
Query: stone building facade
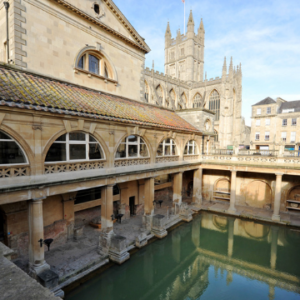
{"x": 275, "y": 126}
{"x": 184, "y": 87}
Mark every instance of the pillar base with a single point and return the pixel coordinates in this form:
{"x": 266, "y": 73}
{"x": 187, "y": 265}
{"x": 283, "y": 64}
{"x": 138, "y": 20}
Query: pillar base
{"x": 141, "y": 240}
{"x": 231, "y": 211}
{"x": 118, "y": 249}
{"x": 276, "y": 218}
{"x": 159, "y": 232}
{"x": 158, "y": 226}
{"x": 35, "y": 269}
{"x": 186, "y": 217}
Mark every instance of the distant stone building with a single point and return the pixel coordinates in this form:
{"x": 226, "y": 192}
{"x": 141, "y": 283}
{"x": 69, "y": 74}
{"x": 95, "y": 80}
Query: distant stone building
{"x": 275, "y": 124}
{"x": 183, "y": 87}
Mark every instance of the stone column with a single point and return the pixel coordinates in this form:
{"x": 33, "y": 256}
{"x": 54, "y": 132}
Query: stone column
{"x": 232, "y": 192}
{"x": 177, "y": 188}
{"x": 107, "y": 208}
{"x": 274, "y": 240}
{"x": 276, "y": 216}
{"x": 197, "y": 187}
{"x": 149, "y": 196}
{"x": 230, "y": 237}
{"x": 37, "y": 263}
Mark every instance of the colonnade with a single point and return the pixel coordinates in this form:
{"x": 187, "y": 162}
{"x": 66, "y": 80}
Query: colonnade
{"x": 35, "y": 212}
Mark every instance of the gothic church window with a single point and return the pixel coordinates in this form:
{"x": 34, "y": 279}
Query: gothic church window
{"x": 214, "y": 104}
{"x": 183, "y": 98}
{"x": 167, "y": 148}
{"x": 173, "y": 95}
{"x": 159, "y": 92}
{"x": 197, "y": 101}
{"x": 132, "y": 146}
{"x": 10, "y": 151}
{"x": 146, "y": 92}
{"x": 75, "y": 146}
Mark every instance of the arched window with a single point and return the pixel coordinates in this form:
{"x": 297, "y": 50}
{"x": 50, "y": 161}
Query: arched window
{"x": 160, "y": 94}
{"x": 167, "y": 148}
{"x": 94, "y": 62}
{"x": 214, "y": 104}
{"x": 10, "y": 151}
{"x": 75, "y": 146}
{"x": 146, "y": 92}
{"x": 132, "y": 146}
{"x": 191, "y": 148}
{"x": 197, "y": 101}
{"x": 173, "y": 95}
{"x": 216, "y": 136}
{"x": 183, "y": 98}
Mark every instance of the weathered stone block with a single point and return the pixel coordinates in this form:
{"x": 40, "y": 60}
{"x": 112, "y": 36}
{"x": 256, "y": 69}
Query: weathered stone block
{"x": 78, "y": 233}
{"x": 48, "y": 278}
{"x": 185, "y": 213}
{"x": 118, "y": 249}
{"x": 158, "y": 226}
{"x": 141, "y": 240}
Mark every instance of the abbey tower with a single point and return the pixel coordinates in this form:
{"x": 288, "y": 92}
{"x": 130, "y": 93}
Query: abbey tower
{"x": 184, "y": 55}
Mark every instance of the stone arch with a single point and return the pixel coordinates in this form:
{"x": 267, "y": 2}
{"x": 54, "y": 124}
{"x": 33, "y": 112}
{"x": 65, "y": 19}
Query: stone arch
{"x": 160, "y": 93}
{"x": 223, "y": 185}
{"x": 63, "y": 131}
{"x": 258, "y": 194}
{"x": 292, "y": 192}
{"x": 21, "y": 143}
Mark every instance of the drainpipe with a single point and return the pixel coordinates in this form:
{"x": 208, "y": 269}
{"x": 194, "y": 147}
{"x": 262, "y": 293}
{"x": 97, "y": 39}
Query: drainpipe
{"x": 6, "y": 5}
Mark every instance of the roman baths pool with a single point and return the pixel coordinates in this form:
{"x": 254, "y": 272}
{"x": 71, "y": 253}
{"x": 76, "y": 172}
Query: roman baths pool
{"x": 212, "y": 257}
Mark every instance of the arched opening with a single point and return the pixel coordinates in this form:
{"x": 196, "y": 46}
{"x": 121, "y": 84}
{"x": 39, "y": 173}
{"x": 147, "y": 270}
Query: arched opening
{"x": 172, "y": 95}
{"x": 191, "y": 148}
{"x": 258, "y": 194}
{"x": 293, "y": 199}
{"x": 10, "y": 151}
{"x": 214, "y": 104}
{"x": 97, "y": 9}
{"x": 222, "y": 190}
{"x": 146, "y": 92}
{"x": 197, "y": 101}
{"x": 167, "y": 148}
{"x": 160, "y": 94}
{"x": 184, "y": 98}
{"x": 132, "y": 146}
{"x": 94, "y": 61}
{"x": 75, "y": 146}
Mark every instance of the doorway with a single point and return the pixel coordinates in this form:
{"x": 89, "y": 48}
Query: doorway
{"x": 132, "y": 205}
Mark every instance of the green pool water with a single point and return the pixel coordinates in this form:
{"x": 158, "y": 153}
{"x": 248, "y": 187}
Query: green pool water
{"x": 212, "y": 257}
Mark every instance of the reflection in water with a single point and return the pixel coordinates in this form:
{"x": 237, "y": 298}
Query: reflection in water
{"x": 213, "y": 257}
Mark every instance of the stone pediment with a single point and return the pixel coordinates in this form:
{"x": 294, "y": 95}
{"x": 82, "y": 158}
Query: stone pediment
{"x": 110, "y": 18}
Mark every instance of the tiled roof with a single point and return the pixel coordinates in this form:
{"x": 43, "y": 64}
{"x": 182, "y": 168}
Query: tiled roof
{"x": 26, "y": 90}
{"x": 290, "y": 105}
{"x": 267, "y": 100}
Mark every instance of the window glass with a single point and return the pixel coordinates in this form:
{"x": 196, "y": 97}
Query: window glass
{"x": 268, "y": 110}
{"x": 93, "y": 64}
{"x": 267, "y": 122}
{"x": 132, "y": 146}
{"x": 191, "y": 148}
{"x": 10, "y": 152}
{"x": 81, "y": 62}
{"x": 293, "y": 136}
{"x": 258, "y": 111}
{"x": 267, "y": 135}
{"x": 284, "y": 122}
{"x": 4, "y": 136}
{"x": 74, "y": 146}
{"x": 57, "y": 152}
{"x": 77, "y": 136}
{"x": 77, "y": 151}
{"x": 283, "y": 136}
{"x": 88, "y": 195}
{"x": 214, "y": 104}
{"x": 197, "y": 101}
{"x": 97, "y": 8}
{"x": 294, "y": 122}
{"x": 257, "y": 122}
{"x": 257, "y": 136}
{"x": 166, "y": 148}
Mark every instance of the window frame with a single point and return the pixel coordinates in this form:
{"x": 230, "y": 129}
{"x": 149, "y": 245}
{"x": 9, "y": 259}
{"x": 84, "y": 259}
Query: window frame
{"x": 214, "y": 104}
{"x": 295, "y": 122}
{"x": 20, "y": 148}
{"x": 269, "y": 110}
{"x": 69, "y": 142}
{"x": 267, "y": 123}
{"x": 191, "y": 143}
{"x": 257, "y": 136}
{"x": 283, "y": 136}
{"x": 284, "y": 122}
{"x": 267, "y": 135}
{"x": 127, "y": 144}
{"x": 257, "y": 122}
{"x": 171, "y": 144}
{"x": 258, "y": 111}
{"x": 293, "y": 133}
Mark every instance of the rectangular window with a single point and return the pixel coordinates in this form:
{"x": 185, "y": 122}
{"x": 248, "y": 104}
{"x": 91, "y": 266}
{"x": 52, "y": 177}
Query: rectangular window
{"x": 267, "y": 135}
{"x": 293, "y": 137}
{"x": 257, "y": 123}
{"x": 267, "y": 122}
{"x": 257, "y": 136}
{"x": 284, "y": 122}
{"x": 268, "y": 110}
{"x": 258, "y": 111}
{"x": 289, "y": 110}
{"x": 294, "y": 122}
{"x": 283, "y": 136}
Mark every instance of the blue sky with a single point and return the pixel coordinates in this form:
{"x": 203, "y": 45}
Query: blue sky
{"x": 263, "y": 35}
